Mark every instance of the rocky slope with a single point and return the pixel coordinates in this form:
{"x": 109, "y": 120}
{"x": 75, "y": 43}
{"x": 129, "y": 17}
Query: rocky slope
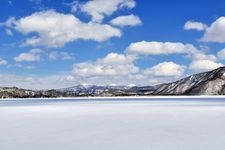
{"x": 14, "y": 92}
{"x": 206, "y": 83}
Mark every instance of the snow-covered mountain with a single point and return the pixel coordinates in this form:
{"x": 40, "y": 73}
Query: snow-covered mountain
{"x": 94, "y": 90}
{"x": 206, "y": 83}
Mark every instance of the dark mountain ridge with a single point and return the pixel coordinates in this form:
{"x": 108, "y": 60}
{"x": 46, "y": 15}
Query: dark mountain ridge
{"x": 206, "y": 83}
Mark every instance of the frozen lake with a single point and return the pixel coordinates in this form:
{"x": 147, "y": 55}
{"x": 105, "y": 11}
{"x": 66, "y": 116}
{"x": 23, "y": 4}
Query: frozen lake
{"x": 181, "y": 124}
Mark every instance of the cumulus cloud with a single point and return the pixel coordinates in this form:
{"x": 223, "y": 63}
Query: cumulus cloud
{"x": 202, "y": 56}
{"x": 204, "y": 65}
{"x": 112, "y": 65}
{"x": 192, "y": 25}
{"x": 121, "y": 69}
{"x": 216, "y": 32}
{"x": 165, "y": 48}
{"x": 55, "y": 55}
{"x": 213, "y": 33}
{"x": 56, "y": 29}
{"x": 198, "y": 57}
{"x": 130, "y": 20}
{"x": 203, "y": 62}
{"x": 31, "y": 56}
{"x": 98, "y": 9}
{"x": 122, "y": 66}
{"x": 157, "y": 48}
{"x": 165, "y": 69}
{"x": 3, "y": 62}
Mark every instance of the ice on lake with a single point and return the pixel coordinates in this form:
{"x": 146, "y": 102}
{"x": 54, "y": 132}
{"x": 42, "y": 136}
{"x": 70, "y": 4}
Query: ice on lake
{"x": 112, "y": 125}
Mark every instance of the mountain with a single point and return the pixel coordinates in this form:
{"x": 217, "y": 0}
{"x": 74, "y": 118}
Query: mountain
{"x": 14, "y": 92}
{"x": 94, "y": 90}
{"x": 206, "y": 83}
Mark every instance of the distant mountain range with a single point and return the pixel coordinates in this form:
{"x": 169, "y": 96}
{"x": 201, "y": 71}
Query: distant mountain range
{"x": 206, "y": 83}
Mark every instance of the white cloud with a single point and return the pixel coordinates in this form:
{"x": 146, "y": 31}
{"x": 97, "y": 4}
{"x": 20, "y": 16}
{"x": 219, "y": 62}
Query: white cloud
{"x": 31, "y": 56}
{"x": 221, "y": 54}
{"x": 120, "y": 69}
{"x": 35, "y": 82}
{"x": 202, "y": 56}
{"x": 9, "y": 32}
{"x": 56, "y": 29}
{"x": 165, "y": 69}
{"x": 54, "y": 55}
{"x": 204, "y": 65}
{"x": 191, "y": 25}
{"x": 157, "y": 48}
{"x": 117, "y": 59}
{"x": 130, "y": 20}
{"x": 216, "y": 31}
{"x": 3, "y": 62}
{"x": 203, "y": 62}
{"x": 200, "y": 60}
{"x": 66, "y": 80}
{"x": 112, "y": 65}
{"x": 213, "y": 33}
{"x": 165, "y": 48}
{"x": 98, "y": 9}
{"x": 9, "y": 22}
{"x": 74, "y": 6}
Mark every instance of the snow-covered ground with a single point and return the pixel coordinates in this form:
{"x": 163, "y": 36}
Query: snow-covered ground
{"x": 112, "y": 125}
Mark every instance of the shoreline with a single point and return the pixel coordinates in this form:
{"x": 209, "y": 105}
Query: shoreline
{"x": 121, "y": 98}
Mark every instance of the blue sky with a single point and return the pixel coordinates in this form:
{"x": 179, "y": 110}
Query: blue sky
{"x": 60, "y": 43}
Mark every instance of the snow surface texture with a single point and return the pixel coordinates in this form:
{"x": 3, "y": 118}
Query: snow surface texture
{"x": 112, "y": 125}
